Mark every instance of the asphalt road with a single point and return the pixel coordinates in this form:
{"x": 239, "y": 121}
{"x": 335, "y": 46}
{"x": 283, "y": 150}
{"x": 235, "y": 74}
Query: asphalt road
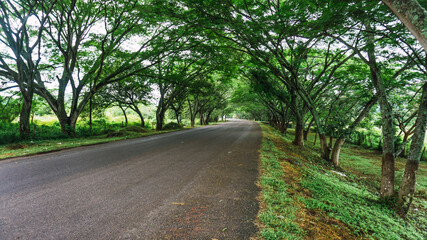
{"x": 192, "y": 184}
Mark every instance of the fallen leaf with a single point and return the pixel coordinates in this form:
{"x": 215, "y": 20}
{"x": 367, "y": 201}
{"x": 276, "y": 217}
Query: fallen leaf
{"x": 178, "y": 203}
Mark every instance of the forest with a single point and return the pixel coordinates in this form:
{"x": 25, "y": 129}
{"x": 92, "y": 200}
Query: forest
{"x": 343, "y": 71}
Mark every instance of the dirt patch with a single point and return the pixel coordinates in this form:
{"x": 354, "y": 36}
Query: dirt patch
{"x": 16, "y": 146}
{"x": 320, "y": 226}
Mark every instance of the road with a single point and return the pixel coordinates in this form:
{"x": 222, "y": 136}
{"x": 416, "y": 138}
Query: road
{"x": 192, "y": 184}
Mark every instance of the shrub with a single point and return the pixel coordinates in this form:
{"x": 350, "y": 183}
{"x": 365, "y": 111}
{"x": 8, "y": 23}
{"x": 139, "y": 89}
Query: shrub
{"x": 137, "y": 129}
{"x": 172, "y": 126}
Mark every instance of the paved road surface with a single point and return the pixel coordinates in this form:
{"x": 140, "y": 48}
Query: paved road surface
{"x": 193, "y": 184}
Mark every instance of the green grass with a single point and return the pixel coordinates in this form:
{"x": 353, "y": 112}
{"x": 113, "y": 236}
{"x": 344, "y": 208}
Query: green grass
{"x": 25, "y": 148}
{"x": 356, "y": 205}
{"x": 278, "y": 216}
{"x": 352, "y": 198}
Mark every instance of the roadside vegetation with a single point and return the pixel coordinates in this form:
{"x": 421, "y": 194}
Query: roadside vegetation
{"x": 305, "y": 197}
{"x": 351, "y": 71}
{"x": 46, "y": 135}
{"x": 31, "y": 147}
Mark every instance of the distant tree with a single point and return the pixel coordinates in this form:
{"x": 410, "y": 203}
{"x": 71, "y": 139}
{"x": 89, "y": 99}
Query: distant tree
{"x": 9, "y": 107}
{"x": 127, "y": 94}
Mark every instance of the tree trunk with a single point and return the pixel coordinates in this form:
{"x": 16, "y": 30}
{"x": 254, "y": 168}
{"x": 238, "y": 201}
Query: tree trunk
{"x": 388, "y": 132}
{"x": 284, "y": 121}
{"x": 125, "y": 115}
{"x": 68, "y": 126}
{"x": 404, "y": 151}
{"x": 140, "y": 117}
{"x": 160, "y": 115}
{"x": 90, "y": 112}
{"x": 387, "y": 175}
{"x": 299, "y": 135}
{"x": 208, "y": 117}
{"x": 422, "y": 154}
{"x": 324, "y": 146}
{"x": 315, "y": 139}
{"x": 142, "y": 120}
{"x": 307, "y": 131}
{"x": 407, "y": 187}
{"x": 413, "y": 16}
{"x": 24, "y": 117}
{"x": 178, "y": 118}
{"x": 335, "y": 155}
{"x": 200, "y": 118}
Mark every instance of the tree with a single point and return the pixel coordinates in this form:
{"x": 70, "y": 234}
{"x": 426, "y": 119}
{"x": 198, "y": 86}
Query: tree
{"x": 95, "y": 43}
{"x": 407, "y": 187}
{"x": 175, "y": 75}
{"x": 128, "y": 93}
{"x": 413, "y": 15}
{"x": 22, "y": 24}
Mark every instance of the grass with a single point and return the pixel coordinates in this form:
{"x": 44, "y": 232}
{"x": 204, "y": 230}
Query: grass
{"x": 320, "y": 201}
{"x": 25, "y": 148}
{"x": 50, "y": 138}
{"x": 278, "y": 214}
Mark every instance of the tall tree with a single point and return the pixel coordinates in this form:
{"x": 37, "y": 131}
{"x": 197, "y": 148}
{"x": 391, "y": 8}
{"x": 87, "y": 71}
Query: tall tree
{"x": 413, "y": 15}
{"x": 21, "y": 36}
{"x": 95, "y": 43}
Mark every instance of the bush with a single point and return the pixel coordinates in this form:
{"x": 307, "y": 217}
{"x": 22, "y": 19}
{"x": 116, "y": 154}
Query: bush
{"x": 130, "y": 130}
{"x": 172, "y": 126}
{"x": 137, "y": 129}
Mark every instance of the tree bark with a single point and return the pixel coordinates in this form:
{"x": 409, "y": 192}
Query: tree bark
{"x": 160, "y": 115}
{"x": 24, "y": 117}
{"x": 388, "y": 132}
{"x": 299, "y": 134}
{"x": 331, "y": 139}
{"x": 193, "y": 112}
{"x": 335, "y": 155}
{"x": 315, "y": 139}
{"x": 307, "y": 131}
{"x": 387, "y": 175}
{"x": 413, "y": 16}
{"x": 125, "y": 115}
{"x": 68, "y": 125}
{"x": 140, "y": 117}
{"x": 324, "y": 146}
{"x": 407, "y": 187}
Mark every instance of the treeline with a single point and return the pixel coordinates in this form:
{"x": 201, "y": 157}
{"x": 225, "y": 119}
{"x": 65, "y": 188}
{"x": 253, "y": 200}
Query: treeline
{"x": 333, "y": 66}
{"x": 82, "y": 56}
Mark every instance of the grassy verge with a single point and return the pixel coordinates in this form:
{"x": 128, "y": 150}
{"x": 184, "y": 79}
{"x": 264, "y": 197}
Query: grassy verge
{"x": 304, "y": 197}
{"x": 26, "y": 148}
{"x": 278, "y": 214}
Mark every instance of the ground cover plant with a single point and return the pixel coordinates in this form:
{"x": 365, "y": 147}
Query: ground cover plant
{"x": 307, "y": 198}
